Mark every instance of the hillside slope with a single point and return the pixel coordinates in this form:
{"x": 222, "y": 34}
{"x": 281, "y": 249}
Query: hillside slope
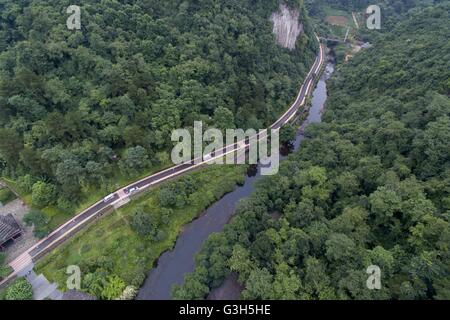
{"x": 81, "y": 111}
{"x": 370, "y": 186}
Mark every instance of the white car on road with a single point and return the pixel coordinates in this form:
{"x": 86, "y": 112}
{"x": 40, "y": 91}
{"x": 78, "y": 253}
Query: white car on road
{"x": 108, "y": 198}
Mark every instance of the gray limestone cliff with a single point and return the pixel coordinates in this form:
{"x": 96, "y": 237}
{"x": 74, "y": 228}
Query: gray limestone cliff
{"x": 286, "y": 26}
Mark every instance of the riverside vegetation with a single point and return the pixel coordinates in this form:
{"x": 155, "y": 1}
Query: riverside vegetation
{"x": 116, "y": 252}
{"x": 369, "y": 186}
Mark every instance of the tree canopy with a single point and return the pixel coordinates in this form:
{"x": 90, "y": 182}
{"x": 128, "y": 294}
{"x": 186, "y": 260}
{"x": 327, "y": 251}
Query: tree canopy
{"x": 369, "y": 186}
{"x": 77, "y": 105}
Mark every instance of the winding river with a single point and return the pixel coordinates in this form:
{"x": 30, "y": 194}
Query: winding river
{"x": 173, "y": 265}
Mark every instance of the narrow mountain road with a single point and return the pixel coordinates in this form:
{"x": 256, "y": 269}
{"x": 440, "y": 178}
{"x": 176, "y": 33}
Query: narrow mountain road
{"x": 119, "y": 198}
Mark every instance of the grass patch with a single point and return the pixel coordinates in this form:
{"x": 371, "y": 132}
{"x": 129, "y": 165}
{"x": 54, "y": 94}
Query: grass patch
{"x": 333, "y": 12}
{"x": 128, "y": 254}
{"x": 334, "y": 23}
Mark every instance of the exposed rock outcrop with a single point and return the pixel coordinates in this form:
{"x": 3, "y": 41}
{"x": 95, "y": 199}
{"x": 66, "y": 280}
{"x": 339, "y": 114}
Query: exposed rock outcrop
{"x": 286, "y": 26}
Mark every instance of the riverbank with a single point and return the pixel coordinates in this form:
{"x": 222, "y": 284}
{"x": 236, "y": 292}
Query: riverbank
{"x": 174, "y": 265}
{"x": 231, "y": 288}
{"x": 117, "y": 282}
{"x": 110, "y": 247}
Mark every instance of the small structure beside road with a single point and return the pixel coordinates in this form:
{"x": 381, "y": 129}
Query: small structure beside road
{"x": 9, "y": 230}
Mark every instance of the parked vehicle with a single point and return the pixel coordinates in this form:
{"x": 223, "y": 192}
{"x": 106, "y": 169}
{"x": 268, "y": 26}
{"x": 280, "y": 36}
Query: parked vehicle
{"x": 108, "y": 198}
{"x": 132, "y": 190}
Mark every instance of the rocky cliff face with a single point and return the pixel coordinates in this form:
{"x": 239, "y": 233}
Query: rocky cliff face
{"x": 286, "y": 26}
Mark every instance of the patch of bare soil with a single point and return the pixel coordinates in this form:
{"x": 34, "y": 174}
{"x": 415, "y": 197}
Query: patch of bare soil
{"x": 337, "y": 20}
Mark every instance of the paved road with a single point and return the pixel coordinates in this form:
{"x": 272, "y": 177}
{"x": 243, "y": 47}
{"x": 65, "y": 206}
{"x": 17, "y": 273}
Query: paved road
{"x": 121, "y": 196}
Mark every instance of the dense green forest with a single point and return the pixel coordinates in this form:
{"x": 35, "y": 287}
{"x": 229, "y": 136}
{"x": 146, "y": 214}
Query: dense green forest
{"x": 369, "y": 186}
{"x": 391, "y": 13}
{"x": 117, "y": 251}
{"x": 81, "y": 109}
{"x": 391, "y": 8}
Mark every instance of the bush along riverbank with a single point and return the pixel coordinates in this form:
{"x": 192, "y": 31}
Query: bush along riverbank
{"x": 117, "y": 251}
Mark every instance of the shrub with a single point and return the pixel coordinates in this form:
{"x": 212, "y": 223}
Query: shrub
{"x": 134, "y": 160}
{"x": 129, "y": 293}
{"x": 64, "y": 205}
{"x": 113, "y": 288}
{"x": 43, "y": 194}
{"x": 4, "y": 269}
{"x": 20, "y": 290}
{"x": 138, "y": 280}
{"x": 141, "y": 222}
{"x": 40, "y": 222}
{"x": 6, "y": 195}
{"x": 176, "y": 194}
{"x": 25, "y": 183}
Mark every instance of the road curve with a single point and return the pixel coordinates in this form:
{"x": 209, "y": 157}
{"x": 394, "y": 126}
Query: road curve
{"x": 121, "y": 196}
